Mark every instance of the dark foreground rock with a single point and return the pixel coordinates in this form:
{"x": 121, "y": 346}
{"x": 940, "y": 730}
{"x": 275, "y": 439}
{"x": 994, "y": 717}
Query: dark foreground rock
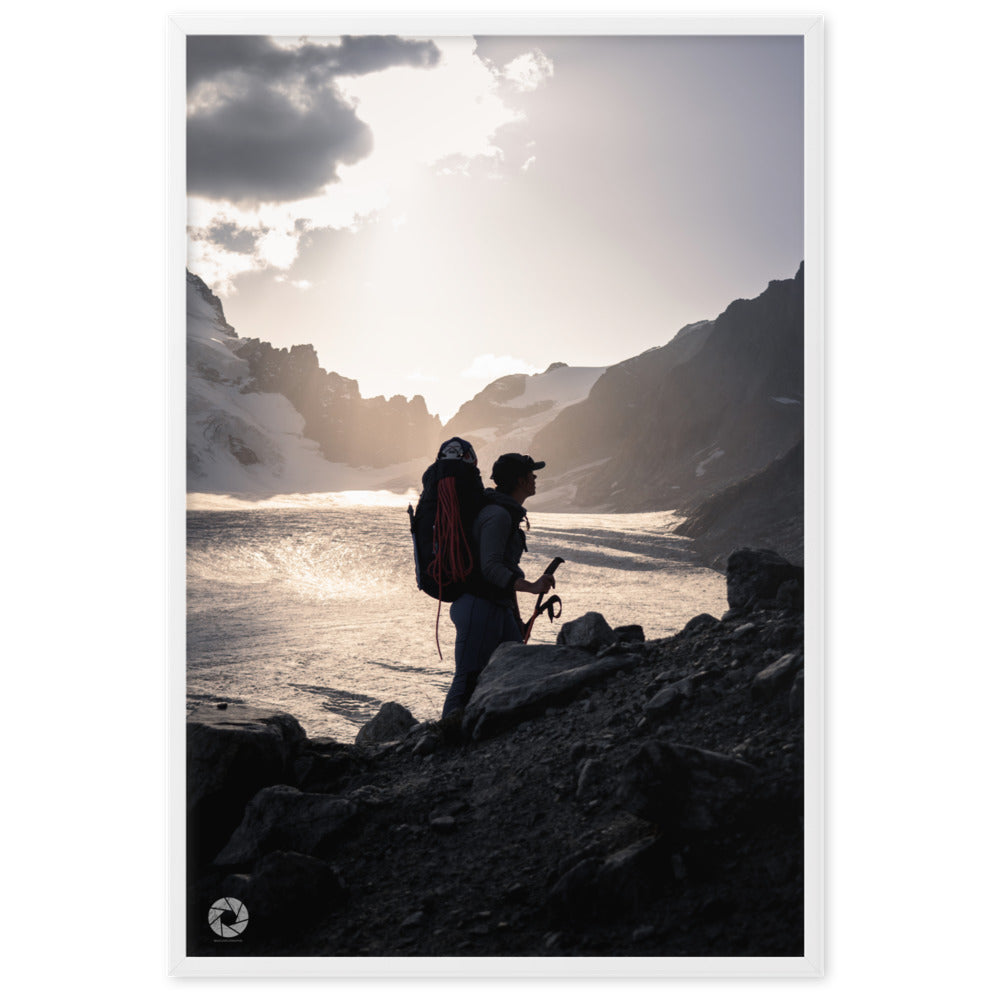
{"x": 761, "y": 578}
{"x": 577, "y": 809}
{"x": 683, "y": 788}
{"x": 391, "y": 722}
{"x": 590, "y": 632}
{"x": 520, "y": 682}
{"x": 233, "y": 752}
{"x": 284, "y": 818}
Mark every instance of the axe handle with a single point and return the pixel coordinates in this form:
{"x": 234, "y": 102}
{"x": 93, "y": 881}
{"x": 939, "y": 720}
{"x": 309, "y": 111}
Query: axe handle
{"x": 554, "y": 565}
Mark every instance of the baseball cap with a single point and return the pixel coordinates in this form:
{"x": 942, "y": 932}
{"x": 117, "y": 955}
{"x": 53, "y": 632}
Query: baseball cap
{"x": 513, "y": 465}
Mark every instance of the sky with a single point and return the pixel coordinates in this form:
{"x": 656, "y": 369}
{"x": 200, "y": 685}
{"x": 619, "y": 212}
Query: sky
{"x": 432, "y": 214}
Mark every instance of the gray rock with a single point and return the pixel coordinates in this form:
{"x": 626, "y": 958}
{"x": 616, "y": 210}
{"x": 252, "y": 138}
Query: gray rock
{"x": 776, "y": 678}
{"x": 283, "y": 818}
{"x": 588, "y": 782}
{"x": 796, "y": 697}
{"x": 614, "y": 649}
{"x": 231, "y": 755}
{"x": 698, "y": 623}
{"x": 521, "y": 682}
{"x": 790, "y": 595}
{"x": 426, "y": 745}
{"x": 370, "y": 796}
{"x": 391, "y": 722}
{"x": 590, "y": 632}
{"x": 616, "y": 884}
{"x": 682, "y": 788}
{"x": 667, "y": 701}
{"x": 630, "y": 633}
{"x": 325, "y": 766}
{"x": 754, "y": 575}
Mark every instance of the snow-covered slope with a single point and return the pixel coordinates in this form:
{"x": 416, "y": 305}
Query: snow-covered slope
{"x": 244, "y": 442}
{"x": 509, "y": 412}
{"x": 240, "y": 442}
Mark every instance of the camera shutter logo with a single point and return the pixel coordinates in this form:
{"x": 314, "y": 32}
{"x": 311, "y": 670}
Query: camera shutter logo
{"x": 233, "y": 909}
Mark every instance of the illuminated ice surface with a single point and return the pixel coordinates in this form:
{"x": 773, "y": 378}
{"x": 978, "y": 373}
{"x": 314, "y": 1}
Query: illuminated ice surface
{"x": 313, "y": 607}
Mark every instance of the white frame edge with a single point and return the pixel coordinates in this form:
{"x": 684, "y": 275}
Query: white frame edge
{"x": 811, "y": 965}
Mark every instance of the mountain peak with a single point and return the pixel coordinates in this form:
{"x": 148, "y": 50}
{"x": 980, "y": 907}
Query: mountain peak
{"x": 213, "y": 301}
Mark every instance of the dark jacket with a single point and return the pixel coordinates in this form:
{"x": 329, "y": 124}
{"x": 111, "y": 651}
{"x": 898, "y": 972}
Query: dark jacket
{"x": 498, "y": 544}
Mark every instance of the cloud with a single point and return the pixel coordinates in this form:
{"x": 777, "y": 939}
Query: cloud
{"x": 302, "y": 285}
{"x": 492, "y": 366}
{"x": 211, "y": 56}
{"x": 530, "y": 70}
{"x": 217, "y": 266}
{"x": 232, "y": 237}
{"x": 450, "y": 116}
{"x": 291, "y": 136}
{"x": 263, "y": 145}
{"x": 267, "y": 122}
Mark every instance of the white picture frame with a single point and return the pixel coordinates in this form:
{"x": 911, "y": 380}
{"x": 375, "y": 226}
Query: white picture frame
{"x": 811, "y": 964}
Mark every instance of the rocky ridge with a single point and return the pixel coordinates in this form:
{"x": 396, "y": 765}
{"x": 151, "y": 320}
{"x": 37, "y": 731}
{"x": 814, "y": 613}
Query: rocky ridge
{"x": 668, "y": 428}
{"x": 606, "y": 796}
{"x": 230, "y": 377}
{"x": 765, "y": 510}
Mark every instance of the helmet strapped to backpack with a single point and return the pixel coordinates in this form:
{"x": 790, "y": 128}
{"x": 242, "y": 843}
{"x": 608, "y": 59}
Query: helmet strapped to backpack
{"x": 452, "y": 496}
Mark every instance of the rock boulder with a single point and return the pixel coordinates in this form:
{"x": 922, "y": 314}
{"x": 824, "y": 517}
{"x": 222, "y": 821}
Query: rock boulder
{"x": 619, "y": 883}
{"x": 754, "y": 575}
{"x": 391, "y": 722}
{"x": 796, "y": 697}
{"x": 520, "y": 682}
{"x": 282, "y": 818}
{"x": 682, "y": 788}
{"x": 630, "y": 633}
{"x": 590, "y": 632}
{"x": 231, "y": 754}
{"x": 777, "y": 677}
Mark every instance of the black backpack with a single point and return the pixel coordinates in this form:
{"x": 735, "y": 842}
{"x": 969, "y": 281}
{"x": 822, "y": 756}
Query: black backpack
{"x": 452, "y": 496}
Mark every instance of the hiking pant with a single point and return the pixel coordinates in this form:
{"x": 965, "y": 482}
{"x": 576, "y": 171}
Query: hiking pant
{"x": 481, "y": 626}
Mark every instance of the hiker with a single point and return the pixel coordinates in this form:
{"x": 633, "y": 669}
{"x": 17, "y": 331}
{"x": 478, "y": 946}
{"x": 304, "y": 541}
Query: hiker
{"x": 486, "y": 614}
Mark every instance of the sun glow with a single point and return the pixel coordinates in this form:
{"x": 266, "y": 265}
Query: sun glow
{"x": 419, "y": 118}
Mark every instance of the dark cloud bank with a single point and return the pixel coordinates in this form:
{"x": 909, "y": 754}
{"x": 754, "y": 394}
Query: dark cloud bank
{"x": 261, "y": 143}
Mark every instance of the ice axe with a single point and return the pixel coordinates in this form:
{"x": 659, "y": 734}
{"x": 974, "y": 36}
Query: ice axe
{"x": 547, "y": 605}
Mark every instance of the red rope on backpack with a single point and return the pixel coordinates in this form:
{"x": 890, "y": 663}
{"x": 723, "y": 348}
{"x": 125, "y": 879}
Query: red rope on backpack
{"x": 452, "y": 560}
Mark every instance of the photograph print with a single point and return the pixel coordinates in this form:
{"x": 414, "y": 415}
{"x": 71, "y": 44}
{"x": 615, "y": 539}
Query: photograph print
{"x": 497, "y": 467}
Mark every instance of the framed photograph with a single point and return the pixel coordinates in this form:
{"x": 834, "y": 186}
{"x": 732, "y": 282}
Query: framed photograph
{"x": 496, "y": 518}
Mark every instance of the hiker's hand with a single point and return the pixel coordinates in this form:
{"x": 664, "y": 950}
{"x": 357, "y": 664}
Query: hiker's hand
{"x": 540, "y": 586}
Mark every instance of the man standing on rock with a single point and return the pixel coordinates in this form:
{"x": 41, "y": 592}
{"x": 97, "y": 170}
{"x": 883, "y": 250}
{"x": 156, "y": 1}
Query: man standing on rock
{"x": 486, "y": 615}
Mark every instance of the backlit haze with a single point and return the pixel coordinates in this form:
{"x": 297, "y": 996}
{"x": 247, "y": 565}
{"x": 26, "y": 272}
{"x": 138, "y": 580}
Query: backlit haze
{"x": 433, "y": 214}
